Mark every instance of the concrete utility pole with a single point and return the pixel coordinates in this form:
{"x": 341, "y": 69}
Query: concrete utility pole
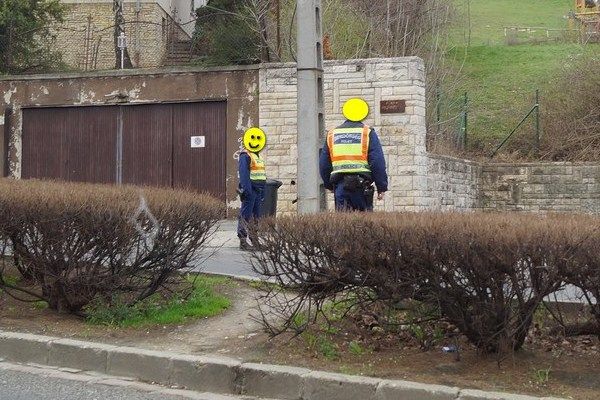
{"x": 311, "y": 119}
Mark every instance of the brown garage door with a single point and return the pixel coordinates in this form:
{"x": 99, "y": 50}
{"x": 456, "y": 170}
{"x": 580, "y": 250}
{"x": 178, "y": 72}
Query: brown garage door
{"x": 147, "y": 144}
{"x": 205, "y": 162}
{"x": 175, "y": 145}
{"x": 73, "y": 144}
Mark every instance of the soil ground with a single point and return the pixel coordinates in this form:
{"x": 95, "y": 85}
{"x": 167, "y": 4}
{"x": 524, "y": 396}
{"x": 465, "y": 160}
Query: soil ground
{"x": 559, "y": 367}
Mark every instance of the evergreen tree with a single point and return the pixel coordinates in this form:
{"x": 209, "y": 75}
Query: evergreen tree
{"x": 227, "y": 32}
{"x": 25, "y": 35}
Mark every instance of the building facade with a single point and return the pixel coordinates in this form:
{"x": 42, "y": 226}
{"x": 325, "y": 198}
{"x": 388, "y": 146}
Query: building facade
{"x": 155, "y": 30}
{"x": 182, "y": 128}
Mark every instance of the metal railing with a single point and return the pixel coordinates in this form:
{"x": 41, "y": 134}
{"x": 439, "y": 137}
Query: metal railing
{"x": 450, "y": 127}
{"x": 534, "y": 110}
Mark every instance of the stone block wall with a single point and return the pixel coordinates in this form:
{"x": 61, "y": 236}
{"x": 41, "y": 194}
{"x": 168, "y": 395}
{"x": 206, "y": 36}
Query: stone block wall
{"x": 86, "y": 41}
{"x": 462, "y": 185}
{"x": 402, "y": 135}
{"x": 541, "y": 187}
{"x": 452, "y": 184}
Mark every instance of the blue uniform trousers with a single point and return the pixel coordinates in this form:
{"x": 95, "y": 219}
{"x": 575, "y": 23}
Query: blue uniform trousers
{"x": 346, "y": 200}
{"x": 251, "y": 204}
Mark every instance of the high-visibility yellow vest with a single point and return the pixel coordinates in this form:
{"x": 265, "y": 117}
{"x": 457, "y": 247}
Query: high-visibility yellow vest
{"x": 257, "y": 168}
{"x": 349, "y": 150}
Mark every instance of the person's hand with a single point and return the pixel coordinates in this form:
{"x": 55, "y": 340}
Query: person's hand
{"x": 380, "y": 195}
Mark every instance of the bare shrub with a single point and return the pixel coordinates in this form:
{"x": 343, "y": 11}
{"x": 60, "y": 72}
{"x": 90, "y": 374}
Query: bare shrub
{"x": 404, "y": 27}
{"x": 486, "y": 273}
{"x": 490, "y": 272}
{"x": 79, "y": 242}
{"x": 310, "y": 261}
{"x": 584, "y": 272}
{"x": 394, "y": 28}
{"x": 571, "y": 116}
{"x": 400, "y": 28}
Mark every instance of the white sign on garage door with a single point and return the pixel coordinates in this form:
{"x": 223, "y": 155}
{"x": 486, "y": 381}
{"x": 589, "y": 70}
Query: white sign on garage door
{"x": 198, "y": 141}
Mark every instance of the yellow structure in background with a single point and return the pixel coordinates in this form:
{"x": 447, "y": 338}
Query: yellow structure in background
{"x": 586, "y": 5}
{"x": 587, "y": 16}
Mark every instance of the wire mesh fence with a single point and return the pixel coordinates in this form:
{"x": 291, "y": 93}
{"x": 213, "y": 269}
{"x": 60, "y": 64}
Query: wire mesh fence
{"x": 225, "y": 32}
{"x": 87, "y": 36}
{"x": 448, "y": 121}
{"x": 265, "y": 30}
{"x": 515, "y": 35}
{"x": 459, "y": 123}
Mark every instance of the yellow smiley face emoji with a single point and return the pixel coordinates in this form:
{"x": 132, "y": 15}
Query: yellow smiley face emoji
{"x": 255, "y": 140}
{"x": 355, "y": 110}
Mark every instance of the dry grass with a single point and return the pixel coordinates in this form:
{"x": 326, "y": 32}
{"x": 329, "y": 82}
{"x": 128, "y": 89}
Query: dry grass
{"x": 572, "y": 117}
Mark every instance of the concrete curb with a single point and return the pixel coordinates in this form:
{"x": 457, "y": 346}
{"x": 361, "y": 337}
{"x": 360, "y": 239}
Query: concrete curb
{"x": 224, "y": 375}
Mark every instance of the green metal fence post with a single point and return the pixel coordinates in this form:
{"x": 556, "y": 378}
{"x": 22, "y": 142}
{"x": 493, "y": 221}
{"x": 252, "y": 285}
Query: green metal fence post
{"x": 438, "y": 109}
{"x": 465, "y": 120}
{"x": 537, "y": 121}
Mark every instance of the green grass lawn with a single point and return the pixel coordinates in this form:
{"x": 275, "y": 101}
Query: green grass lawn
{"x": 203, "y": 302}
{"x": 501, "y": 80}
{"x": 501, "y": 83}
{"x": 488, "y": 18}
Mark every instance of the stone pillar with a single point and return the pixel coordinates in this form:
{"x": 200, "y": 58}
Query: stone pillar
{"x": 402, "y": 134}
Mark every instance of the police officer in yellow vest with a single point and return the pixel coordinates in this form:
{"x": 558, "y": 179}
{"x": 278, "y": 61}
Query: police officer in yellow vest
{"x": 253, "y": 177}
{"x": 352, "y": 160}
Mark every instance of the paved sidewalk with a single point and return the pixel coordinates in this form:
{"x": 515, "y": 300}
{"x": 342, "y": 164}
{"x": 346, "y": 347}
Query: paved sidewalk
{"x": 228, "y": 259}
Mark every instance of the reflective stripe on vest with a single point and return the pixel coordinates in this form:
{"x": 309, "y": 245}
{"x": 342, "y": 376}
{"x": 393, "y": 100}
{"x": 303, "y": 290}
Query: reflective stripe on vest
{"x": 257, "y": 168}
{"x": 349, "y": 150}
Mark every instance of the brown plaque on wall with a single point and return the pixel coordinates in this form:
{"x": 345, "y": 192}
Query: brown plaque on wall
{"x": 392, "y": 106}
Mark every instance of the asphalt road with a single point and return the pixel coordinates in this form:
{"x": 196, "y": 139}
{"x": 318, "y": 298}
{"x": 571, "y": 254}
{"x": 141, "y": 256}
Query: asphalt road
{"x": 19, "y": 382}
{"x": 25, "y": 386}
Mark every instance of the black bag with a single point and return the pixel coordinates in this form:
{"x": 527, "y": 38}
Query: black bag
{"x": 353, "y": 183}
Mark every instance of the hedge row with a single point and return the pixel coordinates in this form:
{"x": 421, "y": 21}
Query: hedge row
{"x": 77, "y": 243}
{"x": 485, "y": 273}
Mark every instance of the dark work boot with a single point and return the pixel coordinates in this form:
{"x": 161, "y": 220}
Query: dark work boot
{"x": 244, "y": 245}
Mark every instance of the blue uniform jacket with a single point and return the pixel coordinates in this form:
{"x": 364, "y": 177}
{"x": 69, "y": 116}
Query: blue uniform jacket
{"x": 375, "y": 159}
{"x": 244, "y": 172}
